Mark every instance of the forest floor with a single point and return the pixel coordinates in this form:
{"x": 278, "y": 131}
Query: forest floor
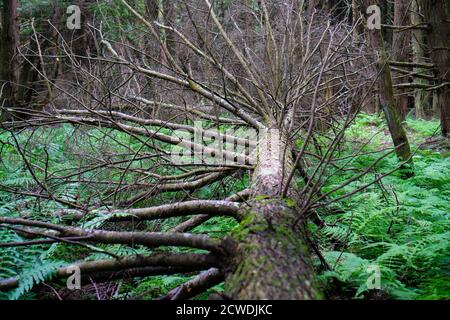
{"x": 399, "y": 226}
{"x": 393, "y": 236}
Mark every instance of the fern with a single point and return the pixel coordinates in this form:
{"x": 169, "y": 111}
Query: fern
{"x": 33, "y": 275}
{"x": 408, "y": 240}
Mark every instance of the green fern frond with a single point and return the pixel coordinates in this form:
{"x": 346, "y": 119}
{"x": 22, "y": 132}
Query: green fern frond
{"x": 39, "y": 272}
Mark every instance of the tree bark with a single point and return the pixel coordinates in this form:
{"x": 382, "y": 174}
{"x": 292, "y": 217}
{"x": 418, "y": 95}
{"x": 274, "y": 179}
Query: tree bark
{"x": 421, "y": 97}
{"x": 386, "y": 94}
{"x": 272, "y": 259}
{"x": 437, "y": 15}
{"x": 132, "y": 266}
{"x": 401, "y": 46}
{"x": 9, "y": 64}
{"x": 170, "y": 15}
{"x": 152, "y": 9}
{"x": 83, "y": 42}
{"x": 355, "y": 17}
{"x": 386, "y": 18}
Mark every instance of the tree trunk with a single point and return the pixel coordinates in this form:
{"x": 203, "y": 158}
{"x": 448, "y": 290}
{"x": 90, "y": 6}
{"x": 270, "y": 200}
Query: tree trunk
{"x": 421, "y": 97}
{"x": 437, "y": 15}
{"x": 355, "y": 17}
{"x": 152, "y": 10}
{"x": 272, "y": 260}
{"x": 247, "y": 23}
{"x": 401, "y": 46}
{"x": 83, "y": 41}
{"x": 312, "y": 5}
{"x": 169, "y": 18}
{"x": 386, "y": 18}
{"x": 9, "y": 64}
{"x": 386, "y": 94}
{"x": 32, "y": 93}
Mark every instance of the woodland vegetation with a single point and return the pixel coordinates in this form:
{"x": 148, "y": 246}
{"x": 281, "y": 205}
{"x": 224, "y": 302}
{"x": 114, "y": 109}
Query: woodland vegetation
{"x": 321, "y": 169}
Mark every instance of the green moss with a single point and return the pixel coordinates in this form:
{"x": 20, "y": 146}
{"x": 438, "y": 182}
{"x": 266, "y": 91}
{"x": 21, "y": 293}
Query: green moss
{"x": 247, "y": 226}
{"x": 290, "y": 203}
{"x": 193, "y": 85}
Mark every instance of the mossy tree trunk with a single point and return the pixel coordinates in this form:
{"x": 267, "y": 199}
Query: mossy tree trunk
{"x": 386, "y": 94}
{"x": 272, "y": 259}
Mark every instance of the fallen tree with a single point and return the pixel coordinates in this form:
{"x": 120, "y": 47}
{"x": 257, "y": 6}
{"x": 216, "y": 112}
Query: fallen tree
{"x": 301, "y": 82}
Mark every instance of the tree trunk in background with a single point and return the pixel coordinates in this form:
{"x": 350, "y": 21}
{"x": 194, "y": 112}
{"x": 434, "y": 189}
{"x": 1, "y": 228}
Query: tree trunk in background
{"x": 170, "y": 15}
{"x": 83, "y": 40}
{"x": 165, "y": 13}
{"x": 421, "y": 97}
{"x": 434, "y": 104}
{"x": 387, "y": 99}
{"x": 246, "y": 21}
{"x": 311, "y": 5}
{"x": 164, "y": 58}
{"x": 386, "y": 18}
{"x": 401, "y": 46}
{"x": 152, "y": 9}
{"x": 437, "y": 15}
{"x": 151, "y": 14}
{"x": 355, "y": 17}
{"x": 9, "y": 64}
{"x": 31, "y": 93}
{"x": 272, "y": 261}
{"x": 88, "y": 33}
{"x": 28, "y": 74}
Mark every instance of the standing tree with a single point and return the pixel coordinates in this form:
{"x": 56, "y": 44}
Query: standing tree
{"x": 386, "y": 92}
{"x": 421, "y": 97}
{"x": 401, "y": 46}
{"x": 437, "y": 16}
{"x": 9, "y": 62}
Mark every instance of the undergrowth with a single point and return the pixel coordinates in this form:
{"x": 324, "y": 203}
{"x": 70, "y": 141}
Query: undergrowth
{"x": 397, "y": 229}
